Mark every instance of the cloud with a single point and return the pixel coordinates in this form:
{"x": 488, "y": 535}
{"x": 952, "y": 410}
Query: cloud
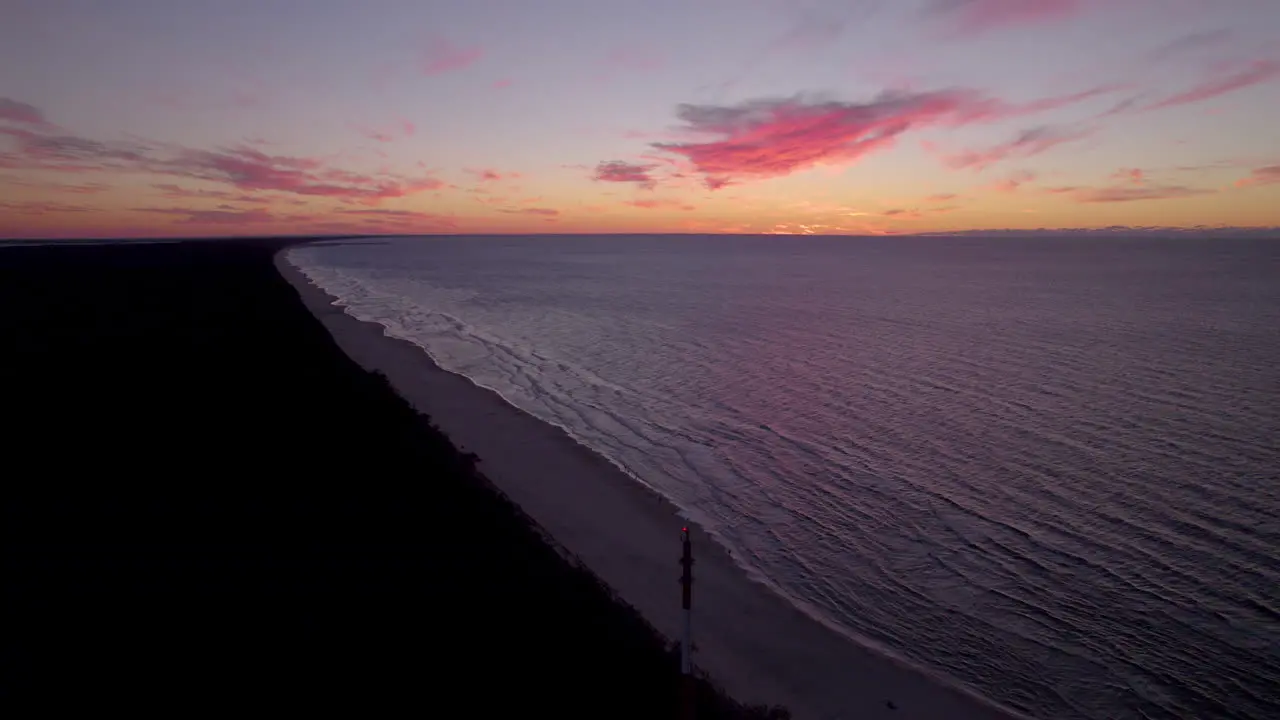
{"x": 1199, "y": 231}
{"x": 1028, "y": 143}
{"x": 169, "y": 190}
{"x": 1255, "y": 73}
{"x": 379, "y": 135}
{"x": 1060, "y": 101}
{"x": 776, "y": 137}
{"x": 244, "y": 168}
{"x": 1190, "y": 43}
{"x": 441, "y": 56}
{"x": 250, "y": 169}
{"x": 74, "y": 189}
{"x": 413, "y": 217}
{"x": 490, "y": 175}
{"x": 656, "y": 204}
{"x": 941, "y": 197}
{"x": 20, "y": 112}
{"x": 1135, "y": 194}
{"x": 803, "y": 29}
{"x": 773, "y": 138}
{"x": 808, "y": 28}
{"x": 1130, "y": 175}
{"x": 389, "y": 133}
{"x": 973, "y": 17}
{"x": 42, "y": 208}
{"x": 502, "y": 83}
{"x": 619, "y": 171}
{"x": 213, "y": 217}
{"x": 545, "y": 212}
{"x": 1014, "y": 181}
{"x": 385, "y": 212}
{"x": 1269, "y": 175}
{"x": 348, "y": 220}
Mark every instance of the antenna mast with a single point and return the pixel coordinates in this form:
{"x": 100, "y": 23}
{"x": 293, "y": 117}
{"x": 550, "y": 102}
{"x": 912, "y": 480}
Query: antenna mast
{"x": 686, "y": 597}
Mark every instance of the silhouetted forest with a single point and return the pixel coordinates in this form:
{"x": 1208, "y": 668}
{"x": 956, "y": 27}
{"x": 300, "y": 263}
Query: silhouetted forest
{"x": 209, "y": 505}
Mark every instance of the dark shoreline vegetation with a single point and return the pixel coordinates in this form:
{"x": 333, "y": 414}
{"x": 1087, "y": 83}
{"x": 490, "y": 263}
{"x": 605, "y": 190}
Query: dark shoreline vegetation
{"x": 211, "y": 505}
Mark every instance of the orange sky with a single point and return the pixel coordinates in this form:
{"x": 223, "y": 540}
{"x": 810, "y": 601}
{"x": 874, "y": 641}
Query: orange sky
{"x": 752, "y": 117}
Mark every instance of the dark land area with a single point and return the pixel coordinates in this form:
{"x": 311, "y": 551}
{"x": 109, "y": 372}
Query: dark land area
{"x": 209, "y": 505}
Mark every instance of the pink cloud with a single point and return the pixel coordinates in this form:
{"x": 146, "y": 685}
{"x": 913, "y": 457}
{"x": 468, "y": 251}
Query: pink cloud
{"x": 402, "y": 216}
{"x": 1134, "y": 194}
{"x": 490, "y": 175}
{"x": 442, "y": 56}
{"x": 1269, "y": 175}
{"x": 389, "y": 133}
{"x": 43, "y": 208}
{"x": 773, "y": 138}
{"x": 172, "y": 191}
{"x": 70, "y": 188}
{"x": 250, "y": 169}
{"x": 22, "y": 113}
{"x": 545, "y": 212}
{"x": 502, "y": 83}
{"x": 618, "y": 171}
{"x": 1190, "y": 43}
{"x": 972, "y": 17}
{"x": 1255, "y": 73}
{"x": 802, "y": 29}
{"x": 244, "y": 168}
{"x": 913, "y": 213}
{"x": 214, "y": 217}
{"x": 1134, "y": 176}
{"x": 655, "y": 204}
{"x": 1060, "y": 101}
{"x": 1027, "y": 144}
{"x": 1014, "y": 181}
{"x": 942, "y": 197}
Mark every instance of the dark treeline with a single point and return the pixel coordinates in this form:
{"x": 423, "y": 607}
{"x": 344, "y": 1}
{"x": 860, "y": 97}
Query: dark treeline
{"x": 208, "y": 504}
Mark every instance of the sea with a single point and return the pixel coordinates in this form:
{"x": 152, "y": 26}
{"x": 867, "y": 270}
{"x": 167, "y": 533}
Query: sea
{"x": 1046, "y": 468}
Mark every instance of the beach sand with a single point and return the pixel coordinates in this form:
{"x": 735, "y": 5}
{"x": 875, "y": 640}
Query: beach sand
{"x": 756, "y": 644}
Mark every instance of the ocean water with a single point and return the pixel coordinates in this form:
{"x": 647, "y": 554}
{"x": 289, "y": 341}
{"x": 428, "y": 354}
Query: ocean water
{"x": 1048, "y": 469}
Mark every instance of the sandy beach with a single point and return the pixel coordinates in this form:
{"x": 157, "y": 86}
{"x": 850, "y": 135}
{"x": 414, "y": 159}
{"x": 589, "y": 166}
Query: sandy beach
{"x": 755, "y": 643}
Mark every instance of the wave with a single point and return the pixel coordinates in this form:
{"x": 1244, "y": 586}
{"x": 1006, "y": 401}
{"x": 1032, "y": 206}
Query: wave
{"x": 1048, "y": 525}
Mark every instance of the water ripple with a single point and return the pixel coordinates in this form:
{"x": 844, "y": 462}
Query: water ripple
{"x": 1048, "y": 470}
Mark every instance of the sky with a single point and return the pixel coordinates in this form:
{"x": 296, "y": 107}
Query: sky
{"x": 171, "y": 118}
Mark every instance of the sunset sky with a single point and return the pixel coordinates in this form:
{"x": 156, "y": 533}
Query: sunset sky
{"x": 148, "y": 118}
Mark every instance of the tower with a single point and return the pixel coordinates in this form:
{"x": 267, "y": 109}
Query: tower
{"x": 686, "y": 643}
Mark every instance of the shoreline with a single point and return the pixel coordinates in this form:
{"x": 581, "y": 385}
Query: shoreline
{"x": 752, "y": 640}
